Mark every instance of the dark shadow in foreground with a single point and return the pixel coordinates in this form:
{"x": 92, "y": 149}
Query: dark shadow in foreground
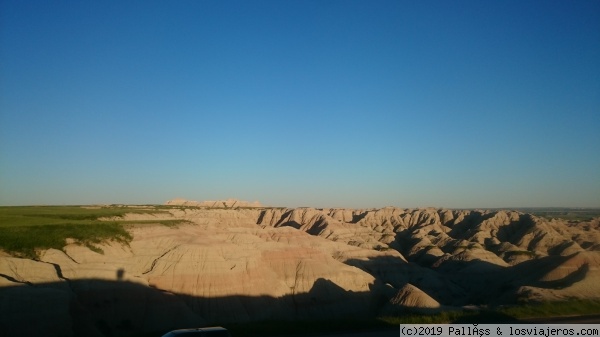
{"x": 93, "y": 307}
{"x": 107, "y": 308}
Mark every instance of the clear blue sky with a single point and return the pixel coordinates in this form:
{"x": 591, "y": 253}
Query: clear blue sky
{"x": 301, "y": 103}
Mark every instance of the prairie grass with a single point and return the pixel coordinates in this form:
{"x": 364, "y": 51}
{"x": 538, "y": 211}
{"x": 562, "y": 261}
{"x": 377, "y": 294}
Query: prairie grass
{"x": 26, "y": 241}
{"x": 25, "y": 230}
{"x": 45, "y": 215}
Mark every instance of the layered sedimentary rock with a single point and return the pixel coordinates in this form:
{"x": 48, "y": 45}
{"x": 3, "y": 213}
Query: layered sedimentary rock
{"x": 254, "y": 263}
{"x": 410, "y": 299}
{"x": 229, "y": 203}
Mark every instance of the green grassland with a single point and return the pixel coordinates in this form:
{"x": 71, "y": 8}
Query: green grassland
{"x": 25, "y": 230}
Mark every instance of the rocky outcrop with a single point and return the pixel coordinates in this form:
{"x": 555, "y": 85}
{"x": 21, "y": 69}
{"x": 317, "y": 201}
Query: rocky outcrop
{"x": 229, "y": 203}
{"x": 237, "y": 263}
{"x": 412, "y": 299}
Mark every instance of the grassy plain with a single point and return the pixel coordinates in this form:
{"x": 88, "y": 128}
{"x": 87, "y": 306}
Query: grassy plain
{"x": 25, "y": 230}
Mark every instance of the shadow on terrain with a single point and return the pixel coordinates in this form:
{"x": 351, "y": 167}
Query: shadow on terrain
{"x": 122, "y": 307}
{"x": 93, "y": 307}
{"x": 463, "y": 282}
{"x": 516, "y": 229}
{"x": 357, "y": 217}
{"x": 485, "y": 283}
{"x": 466, "y": 226}
{"x": 486, "y": 317}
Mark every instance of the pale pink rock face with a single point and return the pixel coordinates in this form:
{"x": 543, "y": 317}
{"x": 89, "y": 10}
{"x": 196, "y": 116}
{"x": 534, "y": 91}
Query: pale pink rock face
{"x": 242, "y": 263}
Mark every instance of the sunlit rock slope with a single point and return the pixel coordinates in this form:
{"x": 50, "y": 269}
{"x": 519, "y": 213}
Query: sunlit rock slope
{"x": 240, "y": 263}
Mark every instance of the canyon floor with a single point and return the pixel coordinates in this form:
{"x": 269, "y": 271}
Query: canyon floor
{"x": 190, "y": 264}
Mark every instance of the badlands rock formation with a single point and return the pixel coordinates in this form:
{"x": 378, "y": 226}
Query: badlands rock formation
{"x": 239, "y": 264}
{"x": 229, "y": 203}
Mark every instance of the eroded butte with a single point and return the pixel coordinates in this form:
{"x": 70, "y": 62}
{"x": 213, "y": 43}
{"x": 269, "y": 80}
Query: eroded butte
{"x": 233, "y": 261}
